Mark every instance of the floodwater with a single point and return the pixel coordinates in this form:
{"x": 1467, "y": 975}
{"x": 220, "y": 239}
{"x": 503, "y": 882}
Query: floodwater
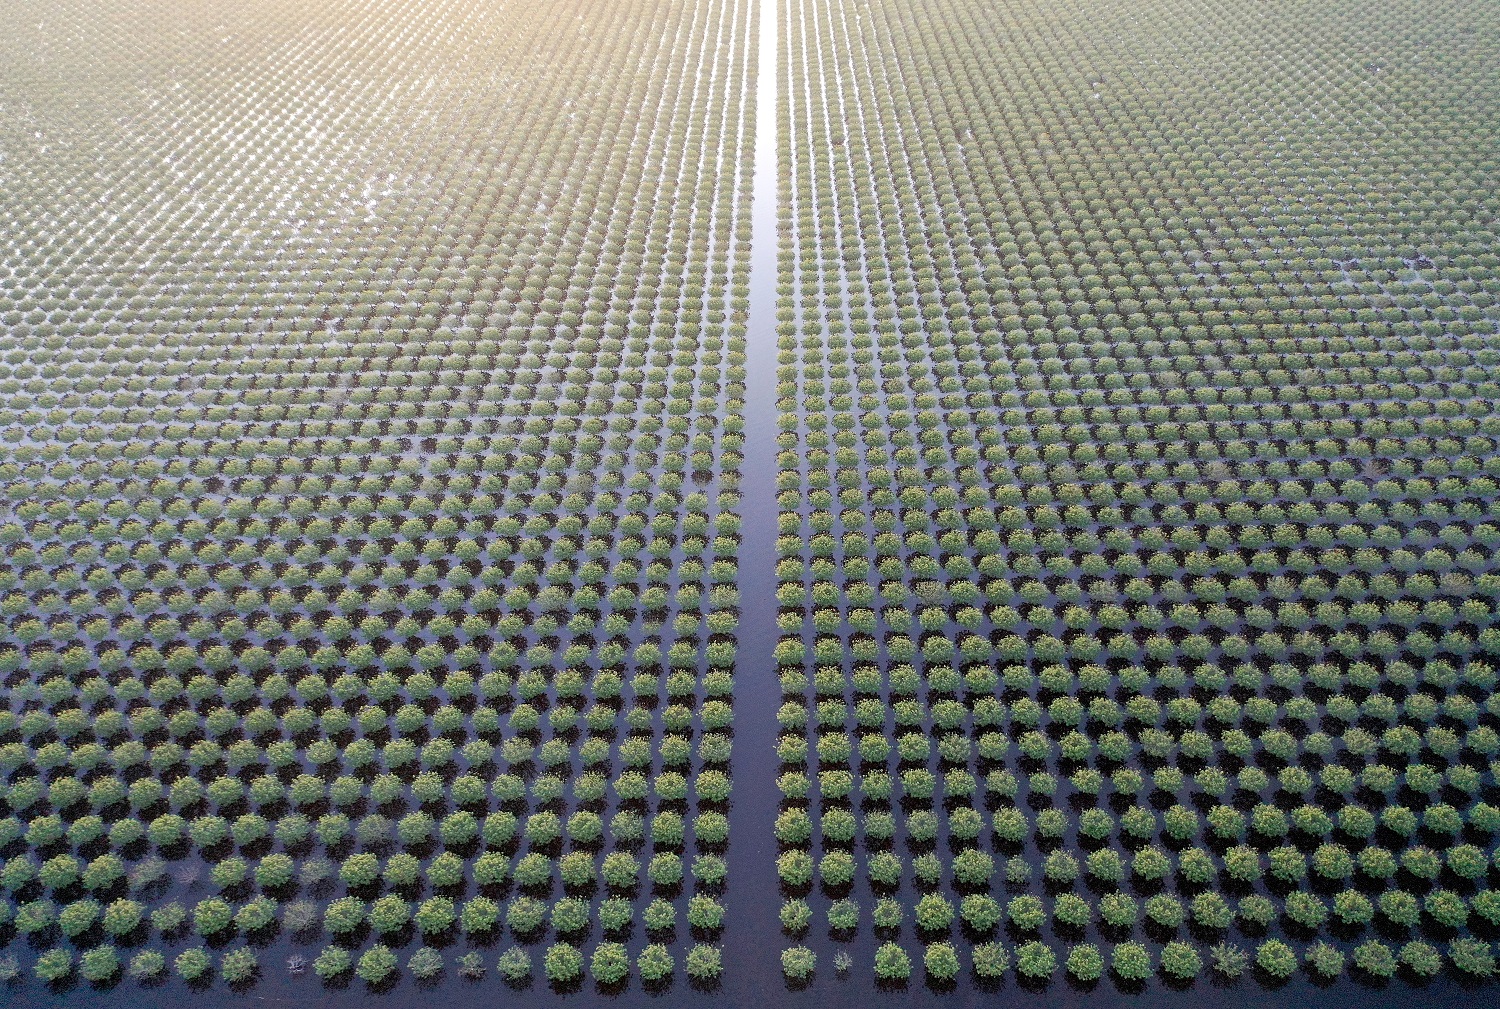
{"x": 752, "y": 939}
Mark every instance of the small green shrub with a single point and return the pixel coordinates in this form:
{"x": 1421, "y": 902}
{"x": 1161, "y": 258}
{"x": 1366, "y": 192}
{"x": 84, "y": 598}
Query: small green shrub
{"x": 375, "y": 964}
{"x": 704, "y": 962}
{"x": 991, "y": 960}
{"x": 563, "y": 962}
{"x": 941, "y": 961}
{"x": 1131, "y": 961}
{"x": 1276, "y": 958}
{"x": 147, "y": 964}
{"x": 192, "y": 964}
{"x": 426, "y": 962}
{"x": 1229, "y": 960}
{"x": 610, "y": 963}
{"x": 1375, "y": 958}
{"x": 332, "y": 962}
{"x": 99, "y": 964}
{"x": 798, "y": 962}
{"x": 655, "y": 962}
{"x": 238, "y": 965}
{"x": 1325, "y": 960}
{"x": 1035, "y": 960}
{"x": 1180, "y": 960}
{"x": 892, "y": 962}
{"x": 1085, "y": 962}
{"x": 54, "y": 965}
{"x": 514, "y": 964}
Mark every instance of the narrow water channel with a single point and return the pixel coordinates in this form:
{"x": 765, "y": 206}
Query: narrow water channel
{"x": 752, "y": 941}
